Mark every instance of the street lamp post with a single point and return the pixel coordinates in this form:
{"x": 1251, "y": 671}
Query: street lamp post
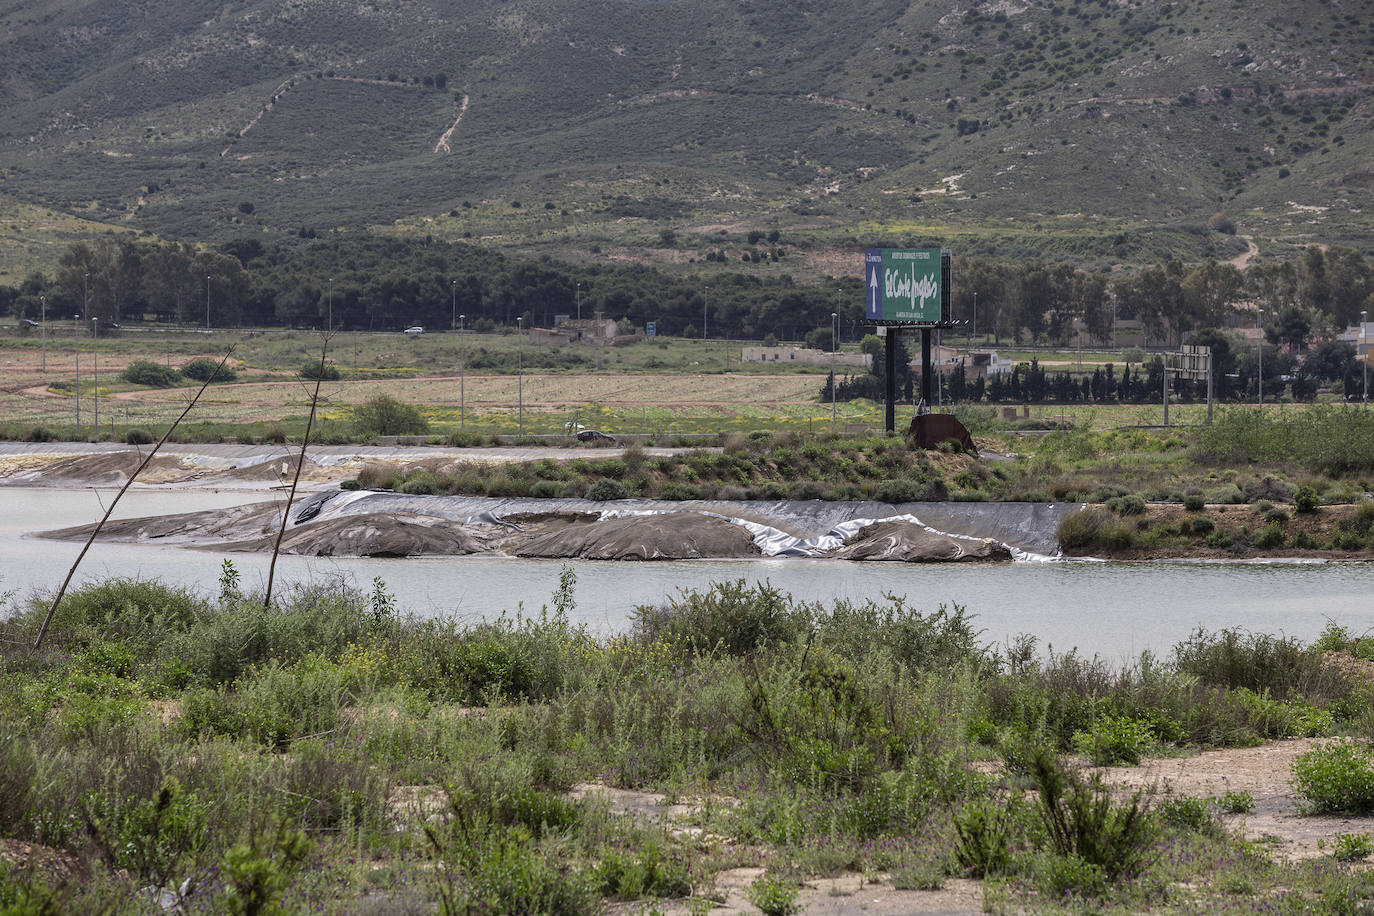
{"x": 452, "y": 319}
{"x": 330, "y": 318}
{"x": 43, "y": 304}
{"x": 520, "y": 367}
{"x": 462, "y": 378}
{"x": 207, "y": 303}
{"x": 834, "y": 344}
{"x": 973, "y": 335}
{"x": 1259, "y": 319}
{"x": 705, "y": 297}
{"x": 579, "y": 301}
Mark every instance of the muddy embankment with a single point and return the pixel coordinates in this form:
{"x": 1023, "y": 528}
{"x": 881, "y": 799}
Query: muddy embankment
{"x": 376, "y": 524}
{"x": 330, "y": 522}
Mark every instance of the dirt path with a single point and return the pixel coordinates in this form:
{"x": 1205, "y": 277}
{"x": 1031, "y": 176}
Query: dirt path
{"x": 1265, "y": 772}
{"x": 442, "y": 146}
{"x": 1241, "y": 260}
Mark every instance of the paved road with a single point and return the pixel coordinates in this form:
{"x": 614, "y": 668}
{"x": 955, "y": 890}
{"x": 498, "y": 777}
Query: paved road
{"x": 247, "y": 455}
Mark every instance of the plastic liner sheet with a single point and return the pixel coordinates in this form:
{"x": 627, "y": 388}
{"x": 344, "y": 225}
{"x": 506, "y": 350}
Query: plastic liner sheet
{"x": 776, "y": 543}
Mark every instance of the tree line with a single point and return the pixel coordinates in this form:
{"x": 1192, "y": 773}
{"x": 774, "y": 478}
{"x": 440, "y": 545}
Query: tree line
{"x": 373, "y": 283}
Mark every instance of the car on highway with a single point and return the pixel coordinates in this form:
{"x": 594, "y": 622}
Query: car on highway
{"x": 594, "y": 437}
{"x": 414, "y": 330}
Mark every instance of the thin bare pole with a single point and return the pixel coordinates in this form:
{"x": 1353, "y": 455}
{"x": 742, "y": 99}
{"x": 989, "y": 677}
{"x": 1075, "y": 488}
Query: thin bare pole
{"x": 300, "y": 462}
{"x": 47, "y": 621}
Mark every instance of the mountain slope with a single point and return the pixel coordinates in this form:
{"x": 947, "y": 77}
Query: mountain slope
{"x": 1097, "y": 129}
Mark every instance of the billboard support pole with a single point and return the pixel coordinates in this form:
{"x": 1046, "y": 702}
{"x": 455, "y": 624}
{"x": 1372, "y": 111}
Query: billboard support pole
{"x": 890, "y": 357}
{"x": 925, "y": 370}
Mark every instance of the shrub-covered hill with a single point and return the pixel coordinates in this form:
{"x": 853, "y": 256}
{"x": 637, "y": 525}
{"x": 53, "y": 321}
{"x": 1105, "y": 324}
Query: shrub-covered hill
{"x": 1096, "y": 129}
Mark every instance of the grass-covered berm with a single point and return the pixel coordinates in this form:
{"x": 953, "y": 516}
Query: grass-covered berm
{"x": 166, "y": 749}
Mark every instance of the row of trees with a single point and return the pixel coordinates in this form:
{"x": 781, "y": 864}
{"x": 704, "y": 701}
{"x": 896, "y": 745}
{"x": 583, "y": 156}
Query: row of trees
{"x": 387, "y": 284}
{"x": 1302, "y": 298}
{"x": 1236, "y": 373}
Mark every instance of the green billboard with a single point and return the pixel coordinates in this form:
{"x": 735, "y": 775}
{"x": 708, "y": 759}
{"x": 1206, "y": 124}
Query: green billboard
{"x": 905, "y": 285}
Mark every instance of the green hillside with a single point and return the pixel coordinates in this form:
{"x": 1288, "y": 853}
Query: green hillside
{"x": 1102, "y": 131}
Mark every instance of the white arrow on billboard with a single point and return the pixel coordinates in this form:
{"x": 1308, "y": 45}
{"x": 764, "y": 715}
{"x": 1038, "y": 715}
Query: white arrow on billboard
{"x": 873, "y": 288}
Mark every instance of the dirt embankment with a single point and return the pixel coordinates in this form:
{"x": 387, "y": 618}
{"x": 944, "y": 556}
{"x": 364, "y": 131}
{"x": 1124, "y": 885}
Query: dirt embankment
{"x": 1227, "y": 532}
{"x": 587, "y": 535}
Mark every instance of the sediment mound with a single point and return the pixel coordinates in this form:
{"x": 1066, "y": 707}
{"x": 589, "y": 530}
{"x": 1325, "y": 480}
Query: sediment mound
{"x": 274, "y": 470}
{"x": 662, "y": 536}
{"x": 375, "y": 535}
{"x": 108, "y": 468}
{"x": 196, "y": 529}
{"x": 907, "y": 542}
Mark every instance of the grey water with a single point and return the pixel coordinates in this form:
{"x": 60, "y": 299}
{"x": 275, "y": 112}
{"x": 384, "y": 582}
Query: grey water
{"x": 1115, "y": 610}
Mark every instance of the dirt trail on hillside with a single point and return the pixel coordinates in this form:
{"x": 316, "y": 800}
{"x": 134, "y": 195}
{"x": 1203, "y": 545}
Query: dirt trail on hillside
{"x": 442, "y": 146}
{"x": 1241, "y": 260}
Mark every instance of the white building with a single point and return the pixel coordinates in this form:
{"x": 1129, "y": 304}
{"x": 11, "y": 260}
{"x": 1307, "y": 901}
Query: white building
{"x": 804, "y": 355}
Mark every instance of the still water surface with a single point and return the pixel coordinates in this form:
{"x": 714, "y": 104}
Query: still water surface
{"x": 1112, "y": 609}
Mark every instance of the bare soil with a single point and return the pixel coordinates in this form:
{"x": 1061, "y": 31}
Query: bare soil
{"x": 1276, "y": 821}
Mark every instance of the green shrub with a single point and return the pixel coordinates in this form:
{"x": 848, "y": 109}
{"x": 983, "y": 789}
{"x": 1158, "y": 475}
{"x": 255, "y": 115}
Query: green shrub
{"x": 1067, "y": 876}
{"x": 312, "y": 370}
{"x": 1082, "y": 529}
{"x": 383, "y": 415}
{"x": 1338, "y": 778}
{"x": 138, "y": 437}
{"x": 734, "y": 617}
{"x": 1306, "y": 499}
{"x": 1132, "y": 504}
{"x": 1095, "y": 527}
{"x": 679, "y": 491}
{"x": 1269, "y": 537}
{"x": 1258, "y": 662}
{"x": 983, "y": 836}
{"x": 1188, "y": 813}
{"x": 607, "y": 489}
{"x": 140, "y": 610}
{"x": 203, "y": 369}
{"x": 1237, "y": 802}
{"x": 147, "y": 372}
{"x": 1194, "y": 502}
{"x": 421, "y": 483}
{"x": 1114, "y": 740}
{"x": 39, "y": 434}
{"x": 774, "y": 896}
{"x": 1196, "y": 525}
{"x": 1081, "y": 819}
{"x": 1351, "y": 847}
{"x": 898, "y": 491}
{"x": 645, "y": 871}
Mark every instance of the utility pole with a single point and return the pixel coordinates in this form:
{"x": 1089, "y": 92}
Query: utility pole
{"x": 95, "y": 357}
{"x": 462, "y": 380}
{"x": 579, "y": 301}
{"x": 207, "y": 303}
{"x": 331, "y": 305}
{"x": 834, "y": 344}
{"x": 76, "y": 336}
{"x": 974, "y": 334}
{"x": 1364, "y": 362}
{"x": 454, "y": 317}
{"x": 1259, "y": 323}
{"x": 520, "y": 367}
{"x": 43, "y": 303}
